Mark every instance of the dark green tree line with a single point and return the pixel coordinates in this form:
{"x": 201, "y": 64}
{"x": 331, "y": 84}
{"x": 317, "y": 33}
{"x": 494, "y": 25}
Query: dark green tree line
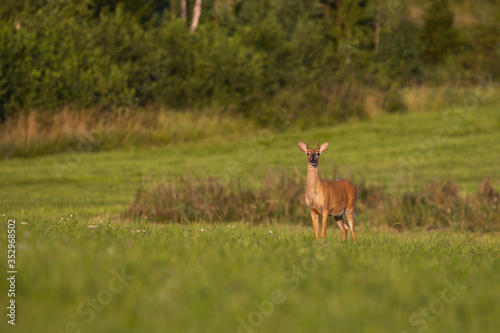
{"x": 110, "y": 54}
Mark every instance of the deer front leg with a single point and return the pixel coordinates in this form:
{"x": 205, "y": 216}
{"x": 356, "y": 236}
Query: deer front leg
{"x": 324, "y": 221}
{"x": 314, "y": 218}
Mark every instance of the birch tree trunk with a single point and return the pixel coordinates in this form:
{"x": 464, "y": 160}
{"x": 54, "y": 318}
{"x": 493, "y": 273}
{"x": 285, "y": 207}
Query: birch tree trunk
{"x": 183, "y": 10}
{"x": 196, "y": 16}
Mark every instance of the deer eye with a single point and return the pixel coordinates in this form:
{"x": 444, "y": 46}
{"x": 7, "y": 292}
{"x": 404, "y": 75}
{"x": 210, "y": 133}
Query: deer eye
{"x": 308, "y": 154}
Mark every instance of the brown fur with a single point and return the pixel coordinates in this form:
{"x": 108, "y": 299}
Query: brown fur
{"x": 327, "y": 198}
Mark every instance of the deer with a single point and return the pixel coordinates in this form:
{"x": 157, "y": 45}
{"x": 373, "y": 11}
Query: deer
{"x": 328, "y": 198}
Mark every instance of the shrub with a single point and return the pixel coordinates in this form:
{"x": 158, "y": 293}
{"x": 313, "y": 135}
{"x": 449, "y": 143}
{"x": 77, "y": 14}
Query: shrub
{"x": 210, "y": 199}
{"x": 279, "y": 197}
{"x": 438, "y": 34}
{"x": 437, "y": 205}
{"x": 394, "y": 102}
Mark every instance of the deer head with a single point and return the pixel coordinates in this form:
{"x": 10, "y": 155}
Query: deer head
{"x": 313, "y": 154}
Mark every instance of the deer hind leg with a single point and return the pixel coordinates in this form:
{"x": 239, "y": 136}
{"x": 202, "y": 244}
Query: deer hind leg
{"x": 342, "y": 226}
{"x": 315, "y": 220}
{"x": 350, "y": 219}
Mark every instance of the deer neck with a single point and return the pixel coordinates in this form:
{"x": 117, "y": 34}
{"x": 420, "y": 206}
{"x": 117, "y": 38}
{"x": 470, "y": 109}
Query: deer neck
{"x": 312, "y": 179}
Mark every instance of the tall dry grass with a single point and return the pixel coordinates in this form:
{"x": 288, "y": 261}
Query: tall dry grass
{"x": 39, "y": 133}
{"x": 438, "y": 204}
{"x": 277, "y": 197}
{"x": 280, "y": 197}
{"x": 426, "y": 98}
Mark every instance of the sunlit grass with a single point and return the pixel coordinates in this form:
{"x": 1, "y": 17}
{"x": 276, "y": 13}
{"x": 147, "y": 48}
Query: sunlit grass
{"x": 85, "y": 131}
{"x": 206, "y": 277}
{"x": 220, "y": 277}
{"x": 391, "y": 150}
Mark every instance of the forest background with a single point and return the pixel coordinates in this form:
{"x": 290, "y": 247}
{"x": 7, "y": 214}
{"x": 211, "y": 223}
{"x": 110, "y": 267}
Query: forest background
{"x": 320, "y": 62}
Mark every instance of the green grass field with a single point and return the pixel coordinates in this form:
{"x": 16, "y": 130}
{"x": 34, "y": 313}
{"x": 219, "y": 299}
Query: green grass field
{"x": 82, "y": 267}
{"x": 216, "y": 278}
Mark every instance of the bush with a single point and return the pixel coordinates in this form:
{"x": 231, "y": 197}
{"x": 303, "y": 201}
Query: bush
{"x": 394, "y": 102}
{"x": 211, "y": 199}
{"x": 437, "y": 205}
{"x": 438, "y": 34}
{"x": 280, "y": 197}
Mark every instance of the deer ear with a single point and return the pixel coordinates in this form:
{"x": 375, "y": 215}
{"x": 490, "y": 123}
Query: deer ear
{"x": 302, "y": 146}
{"x": 323, "y": 147}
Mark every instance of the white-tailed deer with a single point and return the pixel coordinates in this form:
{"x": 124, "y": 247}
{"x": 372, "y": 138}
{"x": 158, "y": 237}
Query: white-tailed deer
{"x": 328, "y": 197}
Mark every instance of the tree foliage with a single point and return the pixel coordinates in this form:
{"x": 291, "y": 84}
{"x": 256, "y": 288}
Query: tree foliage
{"x": 245, "y": 54}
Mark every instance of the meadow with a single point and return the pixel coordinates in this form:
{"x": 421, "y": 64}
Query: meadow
{"x": 84, "y": 265}
{"x": 242, "y": 278}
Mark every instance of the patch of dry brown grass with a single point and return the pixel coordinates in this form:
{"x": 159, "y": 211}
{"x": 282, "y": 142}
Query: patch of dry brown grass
{"x": 438, "y": 204}
{"x": 38, "y": 133}
{"x": 427, "y": 98}
{"x": 279, "y": 197}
